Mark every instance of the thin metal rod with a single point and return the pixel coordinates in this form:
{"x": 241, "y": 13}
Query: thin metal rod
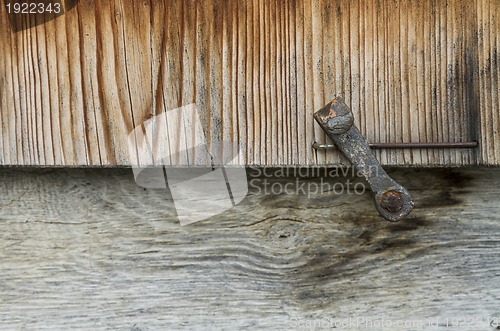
{"x": 468, "y": 144}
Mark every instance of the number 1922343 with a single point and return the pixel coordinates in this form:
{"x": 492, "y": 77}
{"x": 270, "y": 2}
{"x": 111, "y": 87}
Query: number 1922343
{"x": 33, "y": 8}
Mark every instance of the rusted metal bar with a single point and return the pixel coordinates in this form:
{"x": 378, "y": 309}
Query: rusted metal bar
{"x": 468, "y": 144}
{"x": 393, "y": 201}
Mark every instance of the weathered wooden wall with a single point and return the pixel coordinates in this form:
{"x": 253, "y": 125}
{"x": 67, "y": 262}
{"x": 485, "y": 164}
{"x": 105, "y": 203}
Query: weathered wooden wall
{"x": 72, "y": 88}
{"x": 90, "y": 250}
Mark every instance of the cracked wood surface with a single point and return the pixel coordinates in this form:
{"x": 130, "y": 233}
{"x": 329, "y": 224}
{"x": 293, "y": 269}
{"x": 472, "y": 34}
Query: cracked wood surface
{"x": 89, "y": 249}
{"x": 73, "y": 87}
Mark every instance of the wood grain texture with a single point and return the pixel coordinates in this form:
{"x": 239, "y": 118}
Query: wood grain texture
{"x": 488, "y": 16}
{"x": 73, "y": 87}
{"x": 90, "y": 250}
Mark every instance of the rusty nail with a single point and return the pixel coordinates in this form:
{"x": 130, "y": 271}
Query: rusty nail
{"x": 392, "y": 201}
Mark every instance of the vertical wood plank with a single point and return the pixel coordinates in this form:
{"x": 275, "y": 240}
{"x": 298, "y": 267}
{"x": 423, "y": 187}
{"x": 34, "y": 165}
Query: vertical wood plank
{"x": 73, "y": 87}
{"x": 488, "y": 12}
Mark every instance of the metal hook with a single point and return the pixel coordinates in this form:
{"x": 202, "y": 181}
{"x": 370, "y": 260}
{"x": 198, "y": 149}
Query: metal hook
{"x": 393, "y": 201}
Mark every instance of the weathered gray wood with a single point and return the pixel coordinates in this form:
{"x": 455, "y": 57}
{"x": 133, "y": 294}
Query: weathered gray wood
{"x": 88, "y": 249}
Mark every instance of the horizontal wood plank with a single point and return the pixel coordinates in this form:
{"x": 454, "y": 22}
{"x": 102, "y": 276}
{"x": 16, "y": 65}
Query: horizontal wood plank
{"x": 90, "y": 250}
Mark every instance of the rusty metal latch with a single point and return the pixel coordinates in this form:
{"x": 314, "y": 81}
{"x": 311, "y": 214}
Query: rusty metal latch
{"x": 393, "y": 201}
